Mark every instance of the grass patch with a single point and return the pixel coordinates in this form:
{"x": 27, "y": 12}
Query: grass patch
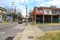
{"x": 33, "y": 24}
{"x": 45, "y": 24}
{"x": 50, "y": 35}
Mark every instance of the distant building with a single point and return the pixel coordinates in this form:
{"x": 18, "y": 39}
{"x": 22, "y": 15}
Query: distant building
{"x": 46, "y": 14}
{"x": 3, "y": 13}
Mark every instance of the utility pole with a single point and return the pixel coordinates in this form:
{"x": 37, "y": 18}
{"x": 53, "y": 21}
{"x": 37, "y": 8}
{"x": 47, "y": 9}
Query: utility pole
{"x": 12, "y": 11}
{"x": 26, "y": 15}
{"x": 26, "y": 12}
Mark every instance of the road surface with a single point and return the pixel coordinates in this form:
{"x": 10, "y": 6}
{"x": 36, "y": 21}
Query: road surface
{"x": 11, "y": 31}
{"x": 50, "y": 28}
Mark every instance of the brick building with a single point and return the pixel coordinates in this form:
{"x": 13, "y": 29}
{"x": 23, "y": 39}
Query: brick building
{"x": 46, "y": 14}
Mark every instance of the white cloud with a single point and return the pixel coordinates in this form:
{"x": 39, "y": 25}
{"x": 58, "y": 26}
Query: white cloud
{"x": 24, "y": 1}
{"x": 54, "y": 2}
{"x": 39, "y": 3}
{"x": 22, "y": 9}
{"x": 39, "y": 0}
{"x": 15, "y": 1}
{"x": 43, "y": 5}
{"x": 49, "y": 3}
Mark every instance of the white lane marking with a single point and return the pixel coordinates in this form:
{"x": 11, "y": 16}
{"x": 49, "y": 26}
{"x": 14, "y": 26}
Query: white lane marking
{"x": 1, "y": 33}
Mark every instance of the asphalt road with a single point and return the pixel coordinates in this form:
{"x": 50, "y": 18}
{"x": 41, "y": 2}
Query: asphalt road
{"x": 11, "y": 31}
{"x": 50, "y": 28}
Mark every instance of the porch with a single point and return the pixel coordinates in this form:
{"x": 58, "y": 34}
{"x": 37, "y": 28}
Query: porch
{"x": 47, "y": 18}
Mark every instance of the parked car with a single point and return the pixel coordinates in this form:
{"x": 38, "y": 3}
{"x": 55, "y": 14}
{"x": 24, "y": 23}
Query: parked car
{"x": 20, "y": 20}
{"x": 23, "y": 20}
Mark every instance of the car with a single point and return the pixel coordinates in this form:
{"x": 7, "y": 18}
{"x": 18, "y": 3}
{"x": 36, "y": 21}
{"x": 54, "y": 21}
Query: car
{"x": 23, "y": 20}
{"x": 20, "y": 22}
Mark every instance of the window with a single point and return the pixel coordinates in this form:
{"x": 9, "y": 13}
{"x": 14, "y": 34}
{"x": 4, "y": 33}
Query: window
{"x": 56, "y": 11}
{"x": 47, "y": 11}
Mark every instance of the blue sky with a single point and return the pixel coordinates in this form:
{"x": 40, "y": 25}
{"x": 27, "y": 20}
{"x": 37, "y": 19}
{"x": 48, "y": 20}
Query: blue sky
{"x": 30, "y": 3}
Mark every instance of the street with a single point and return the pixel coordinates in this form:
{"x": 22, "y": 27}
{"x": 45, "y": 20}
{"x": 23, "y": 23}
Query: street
{"x": 11, "y": 31}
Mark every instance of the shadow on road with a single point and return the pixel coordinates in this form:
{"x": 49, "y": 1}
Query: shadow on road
{"x": 9, "y": 38}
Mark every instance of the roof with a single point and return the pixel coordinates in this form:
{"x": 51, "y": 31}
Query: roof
{"x": 52, "y": 8}
{"x": 1, "y": 8}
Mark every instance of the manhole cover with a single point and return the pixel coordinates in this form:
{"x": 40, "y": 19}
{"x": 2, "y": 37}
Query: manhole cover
{"x": 30, "y": 37}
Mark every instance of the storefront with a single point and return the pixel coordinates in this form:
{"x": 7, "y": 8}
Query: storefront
{"x": 46, "y": 15}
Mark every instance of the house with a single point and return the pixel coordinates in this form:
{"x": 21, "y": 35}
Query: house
{"x": 3, "y": 13}
{"x": 46, "y": 14}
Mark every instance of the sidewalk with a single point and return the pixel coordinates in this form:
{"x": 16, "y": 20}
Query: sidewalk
{"x": 3, "y": 23}
{"x": 6, "y": 24}
{"x": 30, "y": 33}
